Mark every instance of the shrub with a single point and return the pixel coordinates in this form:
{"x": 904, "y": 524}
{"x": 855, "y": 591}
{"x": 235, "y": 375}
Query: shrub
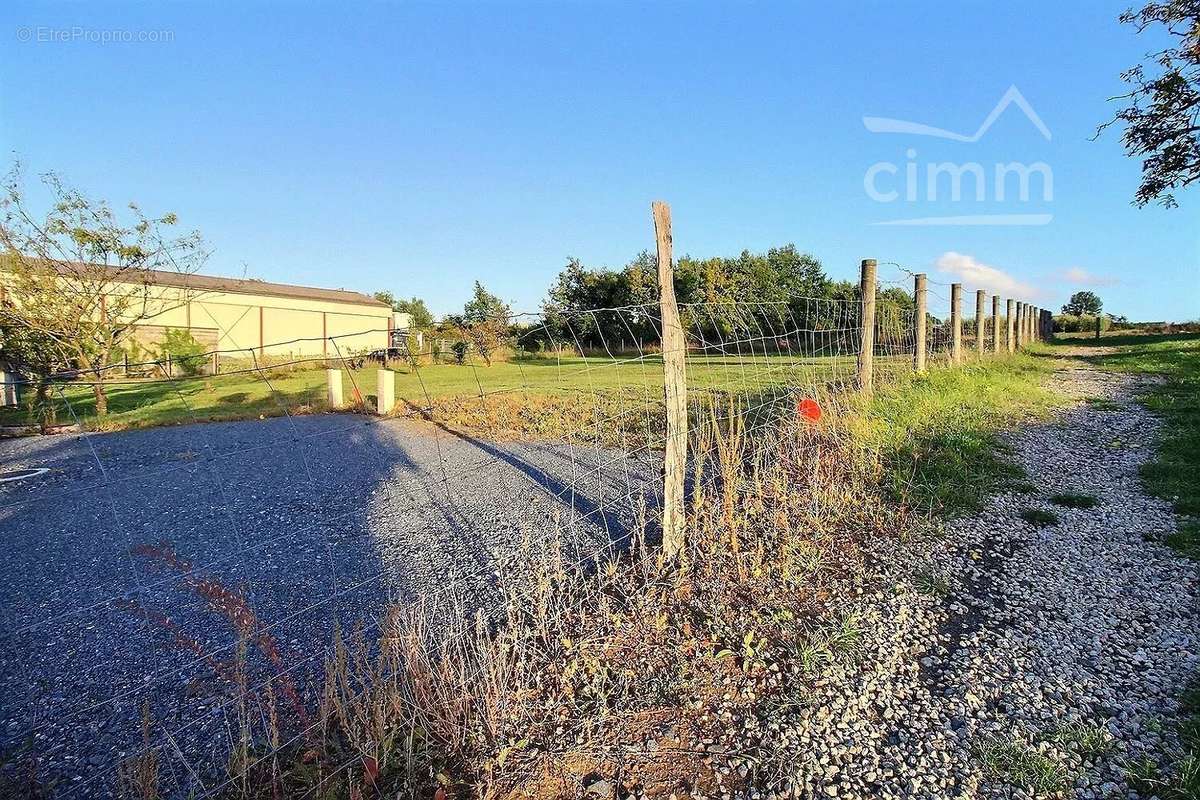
{"x": 1079, "y": 323}
{"x": 185, "y": 352}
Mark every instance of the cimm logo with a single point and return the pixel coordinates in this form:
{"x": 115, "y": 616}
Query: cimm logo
{"x": 917, "y": 181}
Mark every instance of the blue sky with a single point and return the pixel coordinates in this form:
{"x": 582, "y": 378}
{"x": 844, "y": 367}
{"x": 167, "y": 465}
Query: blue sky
{"x": 417, "y": 147}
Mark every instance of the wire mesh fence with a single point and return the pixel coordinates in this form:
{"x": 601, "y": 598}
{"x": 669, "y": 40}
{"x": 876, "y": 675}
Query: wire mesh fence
{"x": 176, "y": 595}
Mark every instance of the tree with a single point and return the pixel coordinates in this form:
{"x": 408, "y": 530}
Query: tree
{"x": 35, "y": 356}
{"x": 753, "y": 294}
{"x": 1083, "y": 303}
{"x": 1161, "y": 117}
{"x": 484, "y": 322}
{"x": 415, "y": 308}
{"x": 83, "y": 280}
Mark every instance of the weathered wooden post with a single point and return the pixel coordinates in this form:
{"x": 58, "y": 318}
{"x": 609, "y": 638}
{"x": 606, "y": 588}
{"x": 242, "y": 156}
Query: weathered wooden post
{"x": 866, "y": 341}
{"x": 1020, "y": 329}
{"x": 333, "y": 380}
{"x": 956, "y": 322}
{"x": 979, "y": 322}
{"x": 385, "y": 392}
{"x": 1010, "y": 309}
{"x": 995, "y": 323}
{"x": 919, "y": 293}
{"x": 674, "y": 354}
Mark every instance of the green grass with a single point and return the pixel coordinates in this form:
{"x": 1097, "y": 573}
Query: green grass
{"x": 1182, "y": 779}
{"x": 1174, "y": 473}
{"x": 938, "y": 434}
{"x": 933, "y": 584}
{"x": 1039, "y": 517}
{"x": 1018, "y": 762}
{"x": 1088, "y": 740}
{"x": 248, "y": 395}
{"x": 1074, "y": 500}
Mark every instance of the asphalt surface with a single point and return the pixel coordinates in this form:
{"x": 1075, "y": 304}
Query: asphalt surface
{"x": 129, "y": 566}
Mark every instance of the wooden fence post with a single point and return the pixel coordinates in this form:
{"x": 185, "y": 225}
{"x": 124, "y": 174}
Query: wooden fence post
{"x": 956, "y": 323}
{"x": 674, "y": 352}
{"x": 979, "y": 320}
{"x": 919, "y": 293}
{"x": 1010, "y": 309}
{"x": 1020, "y": 329}
{"x": 995, "y": 323}
{"x": 866, "y": 342}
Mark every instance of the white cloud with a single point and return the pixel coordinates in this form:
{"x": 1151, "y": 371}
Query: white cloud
{"x": 976, "y": 275}
{"x": 1081, "y": 277}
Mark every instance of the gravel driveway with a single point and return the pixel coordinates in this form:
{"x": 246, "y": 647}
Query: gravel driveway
{"x": 129, "y": 563}
{"x": 1007, "y": 660}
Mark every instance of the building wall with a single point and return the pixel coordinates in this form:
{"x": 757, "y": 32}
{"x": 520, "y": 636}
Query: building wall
{"x": 273, "y": 326}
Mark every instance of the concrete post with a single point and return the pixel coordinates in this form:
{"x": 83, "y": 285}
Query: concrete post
{"x": 956, "y": 322}
{"x": 980, "y": 324}
{"x": 333, "y": 379}
{"x": 385, "y": 393}
{"x": 1011, "y": 309}
{"x": 995, "y": 323}
{"x": 866, "y": 346}
{"x": 919, "y": 293}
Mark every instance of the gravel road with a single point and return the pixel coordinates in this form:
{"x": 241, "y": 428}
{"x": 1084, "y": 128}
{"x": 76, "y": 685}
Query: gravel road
{"x": 125, "y": 563}
{"x": 1006, "y": 660}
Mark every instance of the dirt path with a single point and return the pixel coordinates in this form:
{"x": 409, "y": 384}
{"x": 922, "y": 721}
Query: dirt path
{"x": 1008, "y": 659}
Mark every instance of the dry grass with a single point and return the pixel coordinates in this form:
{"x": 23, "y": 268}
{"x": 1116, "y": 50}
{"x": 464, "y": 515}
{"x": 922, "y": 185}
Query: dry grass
{"x": 628, "y": 669}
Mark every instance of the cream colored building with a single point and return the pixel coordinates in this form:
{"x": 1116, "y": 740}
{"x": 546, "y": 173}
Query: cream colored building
{"x": 239, "y": 316}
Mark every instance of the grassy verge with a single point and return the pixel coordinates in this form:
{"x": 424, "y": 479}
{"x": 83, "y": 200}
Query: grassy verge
{"x": 937, "y": 435}
{"x": 1174, "y": 473}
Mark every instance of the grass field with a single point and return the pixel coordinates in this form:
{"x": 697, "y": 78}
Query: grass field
{"x": 248, "y": 394}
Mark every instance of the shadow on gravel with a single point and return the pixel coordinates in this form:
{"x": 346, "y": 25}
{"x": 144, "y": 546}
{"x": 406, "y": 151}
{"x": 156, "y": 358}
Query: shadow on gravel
{"x": 143, "y": 562}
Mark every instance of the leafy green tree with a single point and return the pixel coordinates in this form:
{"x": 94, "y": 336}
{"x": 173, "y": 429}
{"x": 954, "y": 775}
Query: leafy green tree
{"x": 1082, "y": 303}
{"x": 484, "y": 307}
{"x": 37, "y": 358}
{"x": 484, "y": 323}
{"x": 184, "y": 351}
{"x": 760, "y": 295}
{"x": 82, "y": 278}
{"x": 414, "y": 307}
{"x": 1162, "y": 106}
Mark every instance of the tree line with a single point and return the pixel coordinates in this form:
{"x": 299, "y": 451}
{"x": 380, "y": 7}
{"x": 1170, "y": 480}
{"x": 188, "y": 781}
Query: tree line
{"x": 767, "y": 294}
